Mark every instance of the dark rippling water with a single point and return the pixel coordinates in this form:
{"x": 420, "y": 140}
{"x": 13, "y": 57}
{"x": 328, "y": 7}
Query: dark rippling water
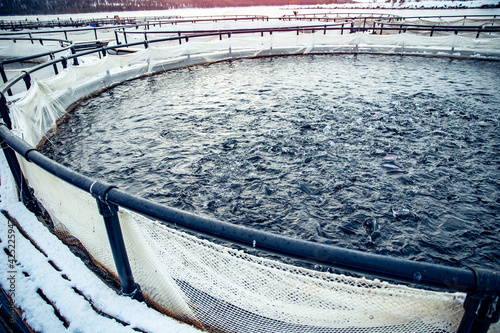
{"x": 393, "y": 155}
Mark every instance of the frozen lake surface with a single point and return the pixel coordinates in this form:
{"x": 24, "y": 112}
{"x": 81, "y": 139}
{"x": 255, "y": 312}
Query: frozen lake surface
{"x": 392, "y": 155}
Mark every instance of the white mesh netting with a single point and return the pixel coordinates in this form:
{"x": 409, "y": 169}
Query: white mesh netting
{"x": 74, "y": 82}
{"x": 23, "y": 48}
{"x": 212, "y": 286}
{"x": 223, "y": 289}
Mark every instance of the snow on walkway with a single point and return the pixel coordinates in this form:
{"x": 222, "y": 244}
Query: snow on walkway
{"x": 53, "y": 287}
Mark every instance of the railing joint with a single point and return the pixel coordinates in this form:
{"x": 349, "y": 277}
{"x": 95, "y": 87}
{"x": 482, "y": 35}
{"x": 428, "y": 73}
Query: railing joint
{"x": 135, "y": 294}
{"x": 4, "y": 78}
{"x": 4, "y": 112}
{"x": 481, "y": 310}
{"x": 109, "y": 212}
{"x": 64, "y": 62}
{"x": 100, "y": 191}
{"x": 482, "y": 306}
{"x": 27, "y": 79}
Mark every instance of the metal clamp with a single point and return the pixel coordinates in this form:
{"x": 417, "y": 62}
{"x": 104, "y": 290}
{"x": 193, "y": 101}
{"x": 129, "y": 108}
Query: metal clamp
{"x": 27, "y": 79}
{"x": 482, "y": 307}
{"x": 100, "y": 190}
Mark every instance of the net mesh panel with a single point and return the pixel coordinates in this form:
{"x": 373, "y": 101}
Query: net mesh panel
{"x": 75, "y": 35}
{"x": 230, "y": 290}
{"x": 224, "y": 289}
{"x": 67, "y": 203}
{"x": 24, "y": 48}
{"x": 9, "y": 50}
{"x": 442, "y": 21}
{"x": 212, "y": 286}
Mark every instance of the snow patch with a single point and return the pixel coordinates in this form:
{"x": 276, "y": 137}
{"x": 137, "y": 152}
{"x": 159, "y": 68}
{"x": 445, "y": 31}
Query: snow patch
{"x": 33, "y": 272}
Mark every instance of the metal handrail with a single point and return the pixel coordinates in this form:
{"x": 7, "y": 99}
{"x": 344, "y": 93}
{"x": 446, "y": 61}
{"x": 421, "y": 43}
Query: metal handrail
{"x": 111, "y": 23}
{"x": 19, "y": 24}
{"x": 431, "y": 275}
{"x": 452, "y": 16}
{"x": 431, "y": 29}
{"x": 182, "y": 34}
{"x": 338, "y": 16}
{"x": 65, "y": 32}
{"x": 346, "y": 26}
{"x": 482, "y": 286}
{"x": 65, "y": 45}
{"x": 127, "y": 20}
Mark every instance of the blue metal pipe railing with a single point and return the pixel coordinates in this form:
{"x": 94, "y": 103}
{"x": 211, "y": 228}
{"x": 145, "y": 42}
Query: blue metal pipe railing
{"x": 482, "y": 286}
{"x": 98, "y": 190}
{"x": 220, "y": 33}
{"x": 22, "y": 186}
{"x": 345, "y": 26}
{"x": 109, "y": 212}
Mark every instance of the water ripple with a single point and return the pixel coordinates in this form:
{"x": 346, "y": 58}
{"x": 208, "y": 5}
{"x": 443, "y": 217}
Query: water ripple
{"x": 391, "y": 155}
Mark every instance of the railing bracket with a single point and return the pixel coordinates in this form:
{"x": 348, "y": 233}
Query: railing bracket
{"x": 109, "y": 212}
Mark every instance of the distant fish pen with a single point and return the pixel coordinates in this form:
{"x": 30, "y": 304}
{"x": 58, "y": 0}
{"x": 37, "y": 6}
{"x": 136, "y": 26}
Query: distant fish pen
{"x": 150, "y": 248}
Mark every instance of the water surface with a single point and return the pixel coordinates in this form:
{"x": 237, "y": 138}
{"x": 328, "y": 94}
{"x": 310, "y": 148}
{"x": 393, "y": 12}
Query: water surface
{"x": 392, "y": 155}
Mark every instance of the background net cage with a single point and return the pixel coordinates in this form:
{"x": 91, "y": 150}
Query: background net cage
{"x": 207, "y": 282}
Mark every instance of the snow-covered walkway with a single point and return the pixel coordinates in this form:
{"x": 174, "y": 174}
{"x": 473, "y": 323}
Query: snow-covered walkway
{"x": 53, "y": 287}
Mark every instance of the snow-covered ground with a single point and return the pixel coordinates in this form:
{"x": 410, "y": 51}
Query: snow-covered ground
{"x": 83, "y": 302}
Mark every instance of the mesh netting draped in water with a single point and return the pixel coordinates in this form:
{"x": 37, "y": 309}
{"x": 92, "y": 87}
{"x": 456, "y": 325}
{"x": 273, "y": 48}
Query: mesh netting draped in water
{"x": 214, "y": 287}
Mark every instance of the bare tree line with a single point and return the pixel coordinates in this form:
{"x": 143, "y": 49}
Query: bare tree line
{"x": 33, "y": 7}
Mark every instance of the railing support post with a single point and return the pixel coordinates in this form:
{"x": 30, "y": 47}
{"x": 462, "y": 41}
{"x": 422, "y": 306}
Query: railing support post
{"x": 4, "y": 77}
{"x": 109, "y": 213}
{"x": 116, "y": 38}
{"x": 482, "y": 307}
{"x": 22, "y": 186}
{"x": 75, "y": 59}
{"x": 478, "y": 31}
{"x": 125, "y": 36}
{"x": 27, "y": 80}
{"x": 64, "y": 62}
{"x": 481, "y": 310}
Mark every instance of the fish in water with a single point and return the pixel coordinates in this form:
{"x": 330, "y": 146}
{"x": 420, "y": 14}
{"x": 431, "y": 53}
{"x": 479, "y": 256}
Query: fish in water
{"x": 375, "y": 230}
{"x": 389, "y": 157}
{"x": 401, "y": 213}
{"x": 347, "y": 230}
{"x": 267, "y": 190}
{"x": 391, "y": 166}
{"x": 305, "y": 189}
